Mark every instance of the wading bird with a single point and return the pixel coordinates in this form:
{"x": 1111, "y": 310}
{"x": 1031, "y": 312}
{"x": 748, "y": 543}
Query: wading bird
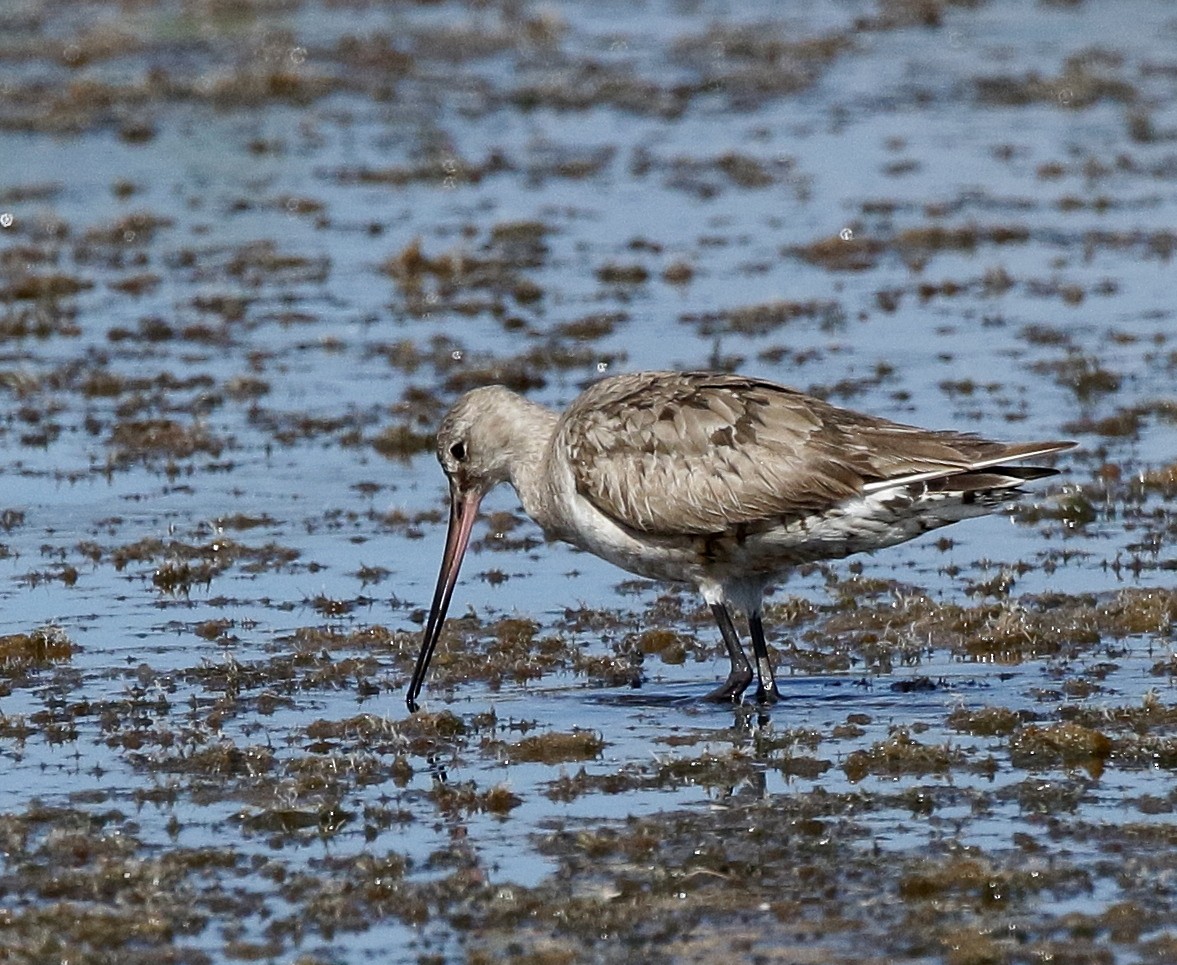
{"x": 722, "y": 481}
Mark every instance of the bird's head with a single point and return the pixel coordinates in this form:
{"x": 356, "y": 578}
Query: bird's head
{"x": 477, "y": 444}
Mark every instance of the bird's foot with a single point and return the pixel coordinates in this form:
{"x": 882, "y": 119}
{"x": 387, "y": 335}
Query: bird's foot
{"x": 732, "y": 689}
{"x": 766, "y": 689}
{"x": 769, "y": 694}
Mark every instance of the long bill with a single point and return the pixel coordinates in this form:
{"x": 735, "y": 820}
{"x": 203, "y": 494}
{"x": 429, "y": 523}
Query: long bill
{"x": 463, "y": 512}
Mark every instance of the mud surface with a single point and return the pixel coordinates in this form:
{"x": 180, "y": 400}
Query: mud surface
{"x": 249, "y": 251}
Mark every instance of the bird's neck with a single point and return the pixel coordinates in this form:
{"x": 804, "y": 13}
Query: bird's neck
{"x": 528, "y": 470}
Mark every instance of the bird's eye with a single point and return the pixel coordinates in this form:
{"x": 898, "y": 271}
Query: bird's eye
{"x": 458, "y": 451}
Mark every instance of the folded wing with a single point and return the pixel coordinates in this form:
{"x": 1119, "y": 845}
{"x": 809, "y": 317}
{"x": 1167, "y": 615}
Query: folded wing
{"x": 699, "y": 452}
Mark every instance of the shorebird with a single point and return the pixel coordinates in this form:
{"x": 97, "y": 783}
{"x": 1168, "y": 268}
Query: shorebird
{"x": 718, "y": 480}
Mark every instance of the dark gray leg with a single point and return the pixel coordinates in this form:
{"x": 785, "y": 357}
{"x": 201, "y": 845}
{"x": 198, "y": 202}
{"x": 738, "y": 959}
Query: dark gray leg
{"x": 766, "y": 689}
{"x": 740, "y": 674}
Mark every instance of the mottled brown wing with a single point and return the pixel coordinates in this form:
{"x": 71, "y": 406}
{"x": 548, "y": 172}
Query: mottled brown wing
{"x": 700, "y": 452}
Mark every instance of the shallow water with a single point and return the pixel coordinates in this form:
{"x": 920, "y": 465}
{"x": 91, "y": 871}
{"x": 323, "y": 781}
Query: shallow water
{"x": 248, "y": 254}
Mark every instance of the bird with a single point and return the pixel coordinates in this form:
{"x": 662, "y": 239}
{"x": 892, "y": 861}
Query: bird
{"x": 719, "y": 480}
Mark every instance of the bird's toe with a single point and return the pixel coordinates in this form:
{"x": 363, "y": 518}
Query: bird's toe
{"x": 731, "y": 690}
{"x": 768, "y": 695}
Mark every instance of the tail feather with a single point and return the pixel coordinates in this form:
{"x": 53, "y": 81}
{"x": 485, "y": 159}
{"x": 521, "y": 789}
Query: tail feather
{"x": 995, "y": 475}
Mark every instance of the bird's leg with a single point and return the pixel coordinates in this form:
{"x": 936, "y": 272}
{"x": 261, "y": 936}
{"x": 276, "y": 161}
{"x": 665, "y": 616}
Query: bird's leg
{"x": 740, "y": 674}
{"x": 766, "y": 689}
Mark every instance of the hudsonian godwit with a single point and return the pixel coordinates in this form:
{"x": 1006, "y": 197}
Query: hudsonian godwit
{"x": 718, "y": 480}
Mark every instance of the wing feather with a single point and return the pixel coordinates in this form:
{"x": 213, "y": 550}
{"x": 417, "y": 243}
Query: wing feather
{"x": 700, "y": 452}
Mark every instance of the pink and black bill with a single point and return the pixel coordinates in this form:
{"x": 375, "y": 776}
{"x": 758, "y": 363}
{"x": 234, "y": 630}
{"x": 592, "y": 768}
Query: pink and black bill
{"x": 463, "y": 512}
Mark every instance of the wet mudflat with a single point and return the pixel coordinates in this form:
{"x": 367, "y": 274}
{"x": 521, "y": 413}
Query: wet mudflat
{"x": 249, "y": 251}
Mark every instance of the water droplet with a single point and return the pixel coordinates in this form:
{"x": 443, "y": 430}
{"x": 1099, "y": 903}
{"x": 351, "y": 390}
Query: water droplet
{"x": 456, "y": 355}
{"x": 845, "y": 234}
{"x": 602, "y": 366}
{"x": 6, "y": 219}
